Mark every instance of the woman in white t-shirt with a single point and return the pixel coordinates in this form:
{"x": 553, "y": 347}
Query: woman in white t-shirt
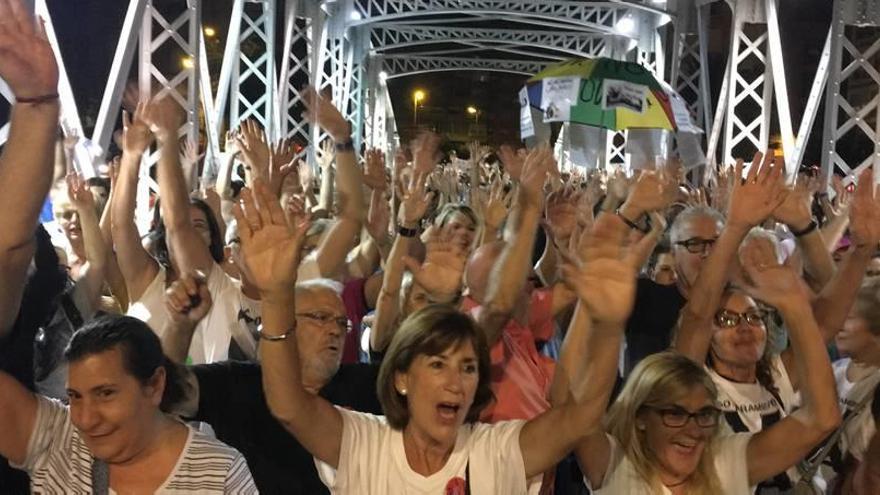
{"x": 114, "y": 436}
{"x": 662, "y": 433}
{"x": 185, "y": 235}
{"x": 433, "y": 384}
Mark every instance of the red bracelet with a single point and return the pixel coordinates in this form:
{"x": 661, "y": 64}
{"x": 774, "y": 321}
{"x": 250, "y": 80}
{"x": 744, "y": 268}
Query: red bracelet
{"x": 36, "y": 100}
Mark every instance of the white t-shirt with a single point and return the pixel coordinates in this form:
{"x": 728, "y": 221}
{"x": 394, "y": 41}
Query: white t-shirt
{"x": 861, "y": 429}
{"x": 372, "y": 461}
{"x": 210, "y": 341}
{"x": 731, "y": 467}
{"x": 58, "y": 461}
{"x": 749, "y": 407}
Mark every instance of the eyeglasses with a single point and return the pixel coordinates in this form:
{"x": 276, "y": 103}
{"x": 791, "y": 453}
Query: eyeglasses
{"x": 728, "y": 319}
{"x": 677, "y": 417}
{"x": 696, "y": 245}
{"x": 341, "y": 322}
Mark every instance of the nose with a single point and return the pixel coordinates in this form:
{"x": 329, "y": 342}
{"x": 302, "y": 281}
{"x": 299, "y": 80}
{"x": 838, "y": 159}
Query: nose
{"x": 455, "y": 380}
{"x": 85, "y": 416}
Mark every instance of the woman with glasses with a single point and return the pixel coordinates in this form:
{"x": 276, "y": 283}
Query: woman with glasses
{"x": 664, "y": 433}
{"x": 756, "y": 389}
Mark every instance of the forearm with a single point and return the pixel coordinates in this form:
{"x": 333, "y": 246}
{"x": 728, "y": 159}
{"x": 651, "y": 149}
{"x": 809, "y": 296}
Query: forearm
{"x": 348, "y": 183}
{"x": 818, "y": 263}
{"x": 388, "y": 302}
{"x": 834, "y": 302}
{"x": 25, "y": 173}
{"x": 833, "y": 231}
{"x": 124, "y": 200}
{"x": 325, "y": 198}
{"x": 223, "y": 186}
{"x": 813, "y": 368}
{"x": 510, "y": 271}
{"x": 642, "y": 250}
{"x": 172, "y": 184}
{"x": 176, "y": 339}
{"x": 547, "y": 266}
{"x": 117, "y": 282}
{"x": 867, "y": 477}
{"x": 692, "y": 338}
{"x": 96, "y": 256}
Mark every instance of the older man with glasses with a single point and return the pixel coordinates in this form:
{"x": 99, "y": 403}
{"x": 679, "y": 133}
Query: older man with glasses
{"x": 229, "y": 395}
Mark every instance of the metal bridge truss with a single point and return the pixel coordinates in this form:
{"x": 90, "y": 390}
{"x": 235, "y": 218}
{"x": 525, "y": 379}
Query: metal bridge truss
{"x": 348, "y": 48}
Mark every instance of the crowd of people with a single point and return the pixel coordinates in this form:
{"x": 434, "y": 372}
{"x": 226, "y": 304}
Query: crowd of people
{"x": 427, "y": 325}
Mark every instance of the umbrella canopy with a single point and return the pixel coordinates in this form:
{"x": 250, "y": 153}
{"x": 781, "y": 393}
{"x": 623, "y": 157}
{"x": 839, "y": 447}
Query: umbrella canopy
{"x": 607, "y": 93}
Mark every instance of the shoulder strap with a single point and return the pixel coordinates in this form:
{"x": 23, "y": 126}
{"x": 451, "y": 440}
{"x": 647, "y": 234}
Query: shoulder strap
{"x": 100, "y": 477}
{"x": 808, "y": 470}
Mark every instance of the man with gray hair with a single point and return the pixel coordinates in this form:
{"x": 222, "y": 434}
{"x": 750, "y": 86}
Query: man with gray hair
{"x": 229, "y": 395}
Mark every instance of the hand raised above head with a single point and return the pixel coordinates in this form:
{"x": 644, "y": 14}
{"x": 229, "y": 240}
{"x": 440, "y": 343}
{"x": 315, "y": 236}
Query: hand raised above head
{"x": 136, "y": 135}
{"x": 864, "y": 223}
{"x": 270, "y": 247}
{"x": 165, "y": 116}
{"x": 769, "y": 280}
{"x": 321, "y": 111}
{"x": 763, "y": 190}
{"x": 27, "y": 62}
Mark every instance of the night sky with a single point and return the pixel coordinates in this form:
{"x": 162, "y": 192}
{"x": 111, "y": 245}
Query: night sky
{"x": 88, "y": 31}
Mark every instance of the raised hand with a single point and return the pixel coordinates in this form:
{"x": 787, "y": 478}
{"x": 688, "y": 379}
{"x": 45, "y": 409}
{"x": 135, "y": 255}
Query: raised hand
{"x": 497, "y": 205}
{"x": 27, "y": 63}
{"x": 281, "y": 164}
{"x": 378, "y": 217}
{"x": 537, "y": 166}
{"x": 864, "y": 217}
{"x": 561, "y": 214}
{"x": 415, "y": 202}
{"x": 320, "y": 111}
{"x": 251, "y": 141}
{"x": 511, "y": 161}
{"x": 188, "y": 300}
{"x": 374, "y": 171}
{"x": 270, "y": 248}
{"x": 796, "y": 210}
{"x": 842, "y": 200}
{"x": 603, "y": 278}
{"x": 164, "y": 116}
{"x": 441, "y": 273}
{"x": 136, "y": 135}
{"x": 760, "y": 194}
{"x": 326, "y": 156}
{"x": 766, "y": 279}
{"x": 230, "y": 144}
{"x": 426, "y": 152}
{"x": 80, "y": 196}
{"x": 653, "y": 190}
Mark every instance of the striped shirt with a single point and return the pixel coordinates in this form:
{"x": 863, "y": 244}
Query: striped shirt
{"x": 58, "y": 460}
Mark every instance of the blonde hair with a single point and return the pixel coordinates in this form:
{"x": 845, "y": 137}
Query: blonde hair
{"x": 659, "y": 380}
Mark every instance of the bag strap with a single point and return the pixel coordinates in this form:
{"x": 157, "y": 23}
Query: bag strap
{"x": 100, "y": 477}
{"x": 808, "y": 471}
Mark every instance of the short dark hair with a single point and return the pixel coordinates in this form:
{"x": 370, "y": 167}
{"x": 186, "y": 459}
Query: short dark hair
{"x": 140, "y": 348}
{"x": 430, "y": 331}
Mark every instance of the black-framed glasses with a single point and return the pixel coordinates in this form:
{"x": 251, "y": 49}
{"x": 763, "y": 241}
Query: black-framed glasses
{"x": 677, "y": 417}
{"x": 725, "y": 318}
{"x": 341, "y": 322}
{"x": 697, "y": 245}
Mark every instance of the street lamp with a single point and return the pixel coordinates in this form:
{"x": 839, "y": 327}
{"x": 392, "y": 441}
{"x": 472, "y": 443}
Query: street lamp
{"x": 187, "y": 62}
{"x": 418, "y": 96}
{"x": 210, "y": 32}
{"x": 472, "y": 110}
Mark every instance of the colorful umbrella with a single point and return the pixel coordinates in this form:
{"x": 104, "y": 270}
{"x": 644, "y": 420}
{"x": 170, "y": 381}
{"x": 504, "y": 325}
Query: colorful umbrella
{"x": 607, "y": 93}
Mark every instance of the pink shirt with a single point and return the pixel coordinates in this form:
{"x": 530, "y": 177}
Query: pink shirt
{"x": 521, "y": 376}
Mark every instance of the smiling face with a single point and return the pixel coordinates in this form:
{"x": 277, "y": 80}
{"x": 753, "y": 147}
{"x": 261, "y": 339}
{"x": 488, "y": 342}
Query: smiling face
{"x": 677, "y": 450}
{"x": 320, "y": 342}
{"x": 112, "y": 409}
{"x": 743, "y": 344}
{"x": 439, "y": 390}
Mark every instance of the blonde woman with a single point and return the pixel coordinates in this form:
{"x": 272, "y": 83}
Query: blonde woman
{"x": 661, "y": 435}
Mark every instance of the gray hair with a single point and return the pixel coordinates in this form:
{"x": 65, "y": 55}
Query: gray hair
{"x": 690, "y": 213}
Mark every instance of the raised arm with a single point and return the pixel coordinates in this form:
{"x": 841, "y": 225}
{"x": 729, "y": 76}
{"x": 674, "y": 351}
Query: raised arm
{"x": 340, "y": 239}
{"x": 775, "y": 449}
{"x": 27, "y": 64}
{"x": 751, "y": 201}
{"x": 137, "y": 266}
{"x": 412, "y": 209}
{"x": 187, "y": 301}
{"x": 604, "y": 281}
{"x": 834, "y": 302}
{"x": 114, "y": 275}
{"x": 510, "y": 271}
{"x": 796, "y": 213}
{"x": 271, "y": 251}
{"x": 91, "y": 280}
{"x": 187, "y": 248}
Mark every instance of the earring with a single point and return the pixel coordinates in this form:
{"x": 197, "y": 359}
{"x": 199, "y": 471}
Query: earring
{"x": 403, "y": 391}
{"x": 641, "y": 426}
